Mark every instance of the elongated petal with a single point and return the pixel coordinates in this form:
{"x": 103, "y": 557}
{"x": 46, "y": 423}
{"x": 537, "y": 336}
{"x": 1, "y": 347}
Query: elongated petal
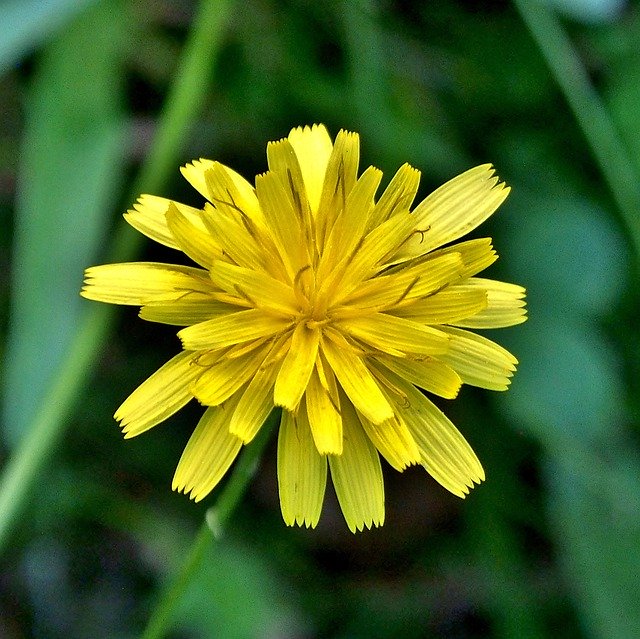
{"x": 432, "y": 374}
{"x": 209, "y": 453}
{"x": 452, "y": 305}
{"x": 377, "y": 249}
{"x": 323, "y": 410}
{"x": 505, "y": 304}
{"x": 260, "y": 288}
{"x": 408, "y": 283}
{"x": 445, "y": 453}
{"x": 476, "y": 255}
{"x": 341, "y": 176}
{"x": 348, "y": 231}
{"x": 148, "y": 216}
{"x": 357, "y": 475}
{"x": 194, "y": 172}
{"x": 139, "y": 283}
{"x": 239, "y": 241}
{"x": 313, "y": 147}
{"x": 283, "y": 223}
{"x": 357, "y": 382}
{"x": 159, "y": 397}
{"x": 283, "y": 161}
{"x": 302, "y": 472}
{"x": 227, "y": 330}
{"x": 397, "y": 197}
{"x": 243, "y": 195}
{"x": 455, "y": 209}
{"x": 192, "y": 239}
{"x": 233, "y": 188}
{"x": 255, "y": 404}
{"x": 221, "y": 380}
{"x": 394, "y": 441}
{"x": 478, "y": 360}
{"x": 396, "y": 335}
{"x": 191, "y": 309}
{"x": 296, "y": 369}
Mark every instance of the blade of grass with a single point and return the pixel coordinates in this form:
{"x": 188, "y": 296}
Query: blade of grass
{"x": 610, "y": 153}
{"x": 185, "y": 98}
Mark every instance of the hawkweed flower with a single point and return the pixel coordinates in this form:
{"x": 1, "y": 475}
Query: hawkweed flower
{"x": 314, "y": 295}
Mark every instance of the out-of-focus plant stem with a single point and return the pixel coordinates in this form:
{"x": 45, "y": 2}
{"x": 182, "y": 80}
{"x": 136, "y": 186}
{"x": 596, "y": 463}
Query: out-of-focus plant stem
{"x": 212, "y": 528}
{"x": 590, "y": 111}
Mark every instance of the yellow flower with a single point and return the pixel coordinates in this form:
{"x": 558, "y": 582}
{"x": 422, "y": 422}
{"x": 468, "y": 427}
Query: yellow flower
{"x": 313, "y": 295}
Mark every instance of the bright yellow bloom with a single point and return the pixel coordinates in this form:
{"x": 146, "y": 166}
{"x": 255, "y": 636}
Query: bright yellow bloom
{"x": 313, "y": 295}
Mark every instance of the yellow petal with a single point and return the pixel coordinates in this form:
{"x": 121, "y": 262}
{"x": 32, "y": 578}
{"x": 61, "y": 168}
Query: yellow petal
{"x": 349, "y": 229}
{"x": 260, "y": 288}
{"x": 283, "y": 161}
{"x": 302, "y": 472}
{"x": 148, "y": 217}
{"x": 139, "y": 283}
{"x": 445, "y": 453}
{"x": 340, "y": 178}
{"x": 397, "y": 197}
{"x": 255, "y": 404}
{"x": 357, "y": 382}
{"x": 394, "y": 441}
{"x": 313, "y": 147}
{"x": 396, "y": 335}
{"x": 194, "y": 172}
{"x": 283, "y": 223}
{"x": 476, "y": 255}
{"x": 239, "y": 241}
{"x": 191, "y": 309}
{"x": 193, "y": 240}
{"x": 505, "y": 304}
{"x": 453, "y": 304}
{"x": 158, "y": 397}
{"x": 229, "y": 191}
{"x": 296, "y": 369}
{"x": 377, "y": 249}
{"x": 233, "y": 188}
{"x": 209, "y": 453}
{"x": 407, "y": 283}
{"x": 478, "y": 360}
{"x": 455, "y": 209}
{"x": 357, "y": 475}
{"x": 431, "y": 374}
{"x": 219, "y": 382}
{"x": 230, "y": 329}
{"x": 323, "y": 410}
{"x": 347, "y": 233}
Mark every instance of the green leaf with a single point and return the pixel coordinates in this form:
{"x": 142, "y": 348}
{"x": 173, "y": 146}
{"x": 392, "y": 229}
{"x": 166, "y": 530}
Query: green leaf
{"x": 70, "y": 169}
{"x": 27, "y": 23}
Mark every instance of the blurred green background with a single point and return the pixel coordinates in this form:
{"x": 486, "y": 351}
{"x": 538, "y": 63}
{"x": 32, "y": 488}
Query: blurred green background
{"x": 100, "y": 99}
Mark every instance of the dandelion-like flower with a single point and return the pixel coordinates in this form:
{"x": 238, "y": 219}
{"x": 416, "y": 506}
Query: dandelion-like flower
{"x": 313, "y": 295}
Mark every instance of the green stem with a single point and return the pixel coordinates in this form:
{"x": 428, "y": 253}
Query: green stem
{"x": 213, "y": 527}
{"x": 590, "y": 111}
{"x": 185, "y": 99}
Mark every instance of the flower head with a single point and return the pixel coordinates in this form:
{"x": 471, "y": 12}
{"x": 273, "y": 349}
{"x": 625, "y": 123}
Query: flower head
{"x": 314, "y": 295}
